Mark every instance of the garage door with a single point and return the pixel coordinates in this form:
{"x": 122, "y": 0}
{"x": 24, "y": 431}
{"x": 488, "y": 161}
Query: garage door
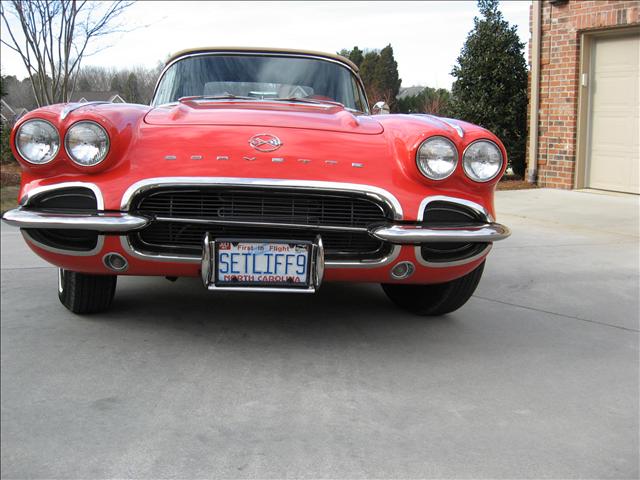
{"x": 613, "y": 153}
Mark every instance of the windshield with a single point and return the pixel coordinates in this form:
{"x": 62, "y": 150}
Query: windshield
{"x": 260, "y": 77}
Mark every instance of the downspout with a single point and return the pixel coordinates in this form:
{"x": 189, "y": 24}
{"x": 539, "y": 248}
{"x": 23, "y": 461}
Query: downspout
{"x": 532, "y": 167}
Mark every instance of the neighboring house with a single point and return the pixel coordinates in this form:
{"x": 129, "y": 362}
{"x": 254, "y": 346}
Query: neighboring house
{"x": 409, "y": 92}
{"x": 9, "y": 115}
{"x": 585, "y": 95}
{"x": 82, "y": 97}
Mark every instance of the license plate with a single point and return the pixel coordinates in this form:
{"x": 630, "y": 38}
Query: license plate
{"x": 238, "y": 264}
{"x": 262, "y": 263}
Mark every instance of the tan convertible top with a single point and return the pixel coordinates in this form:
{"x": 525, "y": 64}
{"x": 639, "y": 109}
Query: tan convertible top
{"x": 331, "y": 56}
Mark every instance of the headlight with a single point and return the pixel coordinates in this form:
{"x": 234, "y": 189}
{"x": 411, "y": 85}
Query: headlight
{"x": 437, "y": 158}
{"x": 87, "y": 143}
{"x": 482, "y": 161}
{"x": 37, "y": 141}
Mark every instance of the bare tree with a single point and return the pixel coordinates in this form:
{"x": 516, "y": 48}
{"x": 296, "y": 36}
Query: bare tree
{"x": 52, "y": 36}
{"x": 101, "y": 79}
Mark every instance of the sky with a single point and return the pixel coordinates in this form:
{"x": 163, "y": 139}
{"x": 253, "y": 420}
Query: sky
{"x": 426, "y": 36}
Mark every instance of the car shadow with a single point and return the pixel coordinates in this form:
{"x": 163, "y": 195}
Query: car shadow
{"x": 337, "y": 313}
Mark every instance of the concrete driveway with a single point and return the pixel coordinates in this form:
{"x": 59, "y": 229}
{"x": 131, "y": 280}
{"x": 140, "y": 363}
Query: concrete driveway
{"x": 537, "y": 376}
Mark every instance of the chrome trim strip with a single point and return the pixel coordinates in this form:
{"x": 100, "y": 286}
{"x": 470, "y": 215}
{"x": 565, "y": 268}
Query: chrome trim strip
{"x": 204, "y": 221}
{"x": 126, "y": 245}
{"x": 264, "y": 54}
{"x": 378, "y": 262}
{"x": 60, "y": 280}
{"x": 375, "y": 192}
{"x": 99, "y": 222}
{"x": 72, "y": 253}
{"x": 479, "y": 209}
{"x": 71, "y": 107}
{"x": 459, "y": 130}
{"x": 260, "y": 289}
{"x": 417, "y": 234}
{"x": 34, "y": 192}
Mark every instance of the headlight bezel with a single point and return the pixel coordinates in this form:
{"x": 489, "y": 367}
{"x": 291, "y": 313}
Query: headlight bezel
{"x": 456, "y": 157}
{"x": 67, "y": 149}
{"x": 24, "y": 157}
{"x": 464, "y": 163}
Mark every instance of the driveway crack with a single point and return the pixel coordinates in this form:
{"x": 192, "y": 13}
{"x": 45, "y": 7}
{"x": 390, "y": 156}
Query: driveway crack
{"x": 559, "y": 314}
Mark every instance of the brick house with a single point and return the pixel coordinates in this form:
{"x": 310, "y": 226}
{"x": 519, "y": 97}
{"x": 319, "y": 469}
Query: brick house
{"x": 585, "y": 95}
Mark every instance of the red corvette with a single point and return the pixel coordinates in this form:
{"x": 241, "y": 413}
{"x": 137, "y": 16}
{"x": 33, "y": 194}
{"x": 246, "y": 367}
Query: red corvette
{"x": 258, "y": 170}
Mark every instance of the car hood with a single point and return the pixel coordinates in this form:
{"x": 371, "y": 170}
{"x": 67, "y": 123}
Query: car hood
{"x": 265, "y": 114}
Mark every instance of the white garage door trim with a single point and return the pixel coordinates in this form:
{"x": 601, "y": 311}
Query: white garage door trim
{"x": 588, "y": 41}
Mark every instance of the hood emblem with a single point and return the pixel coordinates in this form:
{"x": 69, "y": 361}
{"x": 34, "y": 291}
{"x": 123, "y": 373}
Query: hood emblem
{"x": 264, "y": 142}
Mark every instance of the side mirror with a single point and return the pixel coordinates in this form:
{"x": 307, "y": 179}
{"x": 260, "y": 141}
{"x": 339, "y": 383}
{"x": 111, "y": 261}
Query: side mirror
{"x": 380, "y": 108}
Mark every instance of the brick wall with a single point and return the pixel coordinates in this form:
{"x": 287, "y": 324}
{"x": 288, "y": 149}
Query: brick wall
{"x": 562, "y": 26}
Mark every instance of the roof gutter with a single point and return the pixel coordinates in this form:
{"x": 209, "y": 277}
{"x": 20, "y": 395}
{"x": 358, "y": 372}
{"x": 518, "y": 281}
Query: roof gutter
{"x": 532, "y": 167}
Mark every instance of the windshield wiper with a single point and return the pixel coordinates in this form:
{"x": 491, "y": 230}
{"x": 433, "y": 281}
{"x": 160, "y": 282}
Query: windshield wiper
{"x": 307, "y": 100}
{"x": 229, "y": 96}
{"x": 226, "y": 96}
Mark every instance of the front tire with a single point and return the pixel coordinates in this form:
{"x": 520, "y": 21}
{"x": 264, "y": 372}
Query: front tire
{"x": 437, "y": 299}
{"x": 85, "y": 293}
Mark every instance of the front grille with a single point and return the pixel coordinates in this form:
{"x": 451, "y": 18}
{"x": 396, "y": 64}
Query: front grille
{"x": 317, "y": 210}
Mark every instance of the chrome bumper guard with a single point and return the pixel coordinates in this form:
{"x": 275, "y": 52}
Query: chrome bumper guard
{"x": 97, "y": 222}
{"x": 118, "y": 222}
{"x": 418, "y": 234}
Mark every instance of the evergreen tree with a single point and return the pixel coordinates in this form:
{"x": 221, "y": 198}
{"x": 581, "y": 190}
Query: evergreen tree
{"x": 491, "y": 81}
{"x": 368, "y": 73}
{"x": 387, "y": 79}
{"x": 116, "y": 84}
{"x": 356, "y": 55}
{"x": 131, "y": 91}
{"x": 379, "y": 73}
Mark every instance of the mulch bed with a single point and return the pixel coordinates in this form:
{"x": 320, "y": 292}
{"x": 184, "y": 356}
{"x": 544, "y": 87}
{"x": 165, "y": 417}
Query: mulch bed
{"x": 515, "y": 185}
{"x": 10, "y": 175}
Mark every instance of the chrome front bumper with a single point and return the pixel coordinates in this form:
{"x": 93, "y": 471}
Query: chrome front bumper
{"x": 398, "y": 234}
{"x": 419, "y": 234}
{"x": 98, "y": 222}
